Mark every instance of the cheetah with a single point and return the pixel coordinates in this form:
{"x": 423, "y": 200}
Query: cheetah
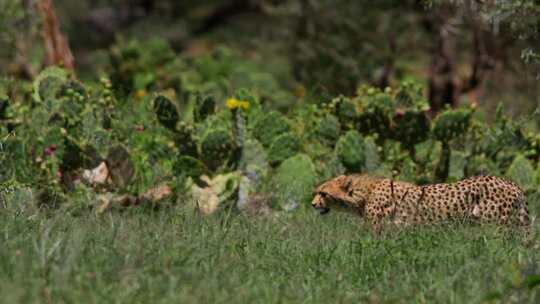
{"x": 483, "y": 198}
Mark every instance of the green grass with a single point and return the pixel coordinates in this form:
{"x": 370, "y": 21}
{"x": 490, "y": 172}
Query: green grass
{"x": 174, "y": 256}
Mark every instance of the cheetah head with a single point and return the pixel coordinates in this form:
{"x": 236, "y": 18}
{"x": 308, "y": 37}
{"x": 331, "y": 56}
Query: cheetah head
{"x": 335, "y": 193}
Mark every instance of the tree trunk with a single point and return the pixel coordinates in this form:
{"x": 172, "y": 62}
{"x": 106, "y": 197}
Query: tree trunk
{"x": 56, "y": 44}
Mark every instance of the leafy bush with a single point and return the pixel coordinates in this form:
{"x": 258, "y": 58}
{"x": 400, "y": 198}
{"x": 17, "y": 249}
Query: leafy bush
{"x": 293, "y": 181}
{"x": 350, "y": 151}
{"x": 193, "y": 124}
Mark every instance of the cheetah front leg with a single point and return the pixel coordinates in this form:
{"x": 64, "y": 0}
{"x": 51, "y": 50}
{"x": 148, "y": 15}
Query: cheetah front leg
{"x": 374, "y": 215}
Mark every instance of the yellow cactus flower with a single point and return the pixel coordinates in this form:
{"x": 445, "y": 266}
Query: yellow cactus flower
{"x": 233, "y": 103}
{"x": 244, "y": 105}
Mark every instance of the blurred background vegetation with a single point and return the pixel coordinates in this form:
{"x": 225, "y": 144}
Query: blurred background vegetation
{"x": 479, "y": 51}
{"x": 231, "y": 99}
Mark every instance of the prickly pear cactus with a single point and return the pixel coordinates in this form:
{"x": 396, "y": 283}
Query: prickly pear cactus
{"x": 48, "y": 84}
{"x": 329, "y": 129}
{"x": 410, "y": 127}
{"x": 166, "y": 112}
{"x": 447, "y": 126}
{"x": 522, "y": 172}
{"x": 407, "y": 171}
{"x": 350, "y": 151}
{"x": 184, "y": 140}
{"x": 450, "y": 124}
{"x": 216, "y": 147}
{"x": 481, "y": 165}
{"x": 458, "y": 162}
{"x": 269, "y": 126}
{"x": 283, "y": 147}
{"x": 293, "y": 182}
{"x": 204, "y": 106}
{"x": 375, "y": 111}
{"x": 371, "y": 153}
{"x": 427, "y": 155}
{"x": 189, "y": 167}
{"x": 345, "y": 109}
{"x": 503, "y": 139}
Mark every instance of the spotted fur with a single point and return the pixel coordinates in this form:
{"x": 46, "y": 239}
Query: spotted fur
{"x": 483, "y": 198}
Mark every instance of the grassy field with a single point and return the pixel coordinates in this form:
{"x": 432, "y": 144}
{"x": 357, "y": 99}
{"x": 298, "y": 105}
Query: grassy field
{"x": 174, "y": 256}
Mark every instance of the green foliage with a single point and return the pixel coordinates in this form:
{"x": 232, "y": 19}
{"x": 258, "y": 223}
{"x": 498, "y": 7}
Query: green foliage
{"x": 48, "y": 84}
{"x": 184, "y": 140}
{"x": 216, "y": 147}
{"x": 283, "y": 147}
{"x": 427, "y": 155}
{"x": 268, "y": 127}
{"x": 189, "y": 167}
{"x": 139, "y": 66}
{"x": 458, "y": 162}
{"x": 74, "y": 126}
{"x": 350, "y": 151}
{"x": 372, "y": 157}
{"x": 166, "y": 112}
{"x": 345, "y": 110}
{"x": 329, "y": 130}
{"x": 481, "y": 165}
{"x": 411, "y": 125}
{"x": 504, "y": 137}
{"x": 521, "y": 172}
{"x": 204, "y": 106}
{"x": 408, "y": 171}
{"x": 293, "y": 181}
{"x": 376, "y": 109}
{"x": 450, "y": 124}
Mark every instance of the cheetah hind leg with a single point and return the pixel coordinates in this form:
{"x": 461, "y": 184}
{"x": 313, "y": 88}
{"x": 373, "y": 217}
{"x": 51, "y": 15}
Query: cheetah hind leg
{"x": 524, "y": 220}
{"x": 517, "y": 222}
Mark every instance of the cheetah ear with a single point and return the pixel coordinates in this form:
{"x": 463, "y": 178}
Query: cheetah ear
{"x": 346, "y": 187}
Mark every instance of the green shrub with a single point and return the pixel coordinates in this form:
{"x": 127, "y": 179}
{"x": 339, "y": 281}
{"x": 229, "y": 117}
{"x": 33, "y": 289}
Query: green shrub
{"x": 329, "y": 129}
{"x": 189, "y": 167}
{"x": 269, "y": 126}
{"x": 407, "y": 171}
{"x": 204, "y": 106}
{"x": 216, "y": 147}
{"x": 376, "y": 109}
{"x": 283, "y": 147}
{"x": 350, "y": 151}
{"x": 166, "y": 112}
{"x": 481, "y": 165}
{"x": 293, "y": 181}
{"x": 450, "y": 124}
{"x": 48, "y": 84}
{"x": 371, "y": 153}
{"x": 56, "y": 127}
{"x": 458, "y": 162}
{"x": 184, "y": 140}
{"x": 345, "y": 109}
{"x": 522, "y": 172}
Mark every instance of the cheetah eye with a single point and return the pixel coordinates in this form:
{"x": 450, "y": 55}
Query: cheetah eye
{"x": 323, "y": 194}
